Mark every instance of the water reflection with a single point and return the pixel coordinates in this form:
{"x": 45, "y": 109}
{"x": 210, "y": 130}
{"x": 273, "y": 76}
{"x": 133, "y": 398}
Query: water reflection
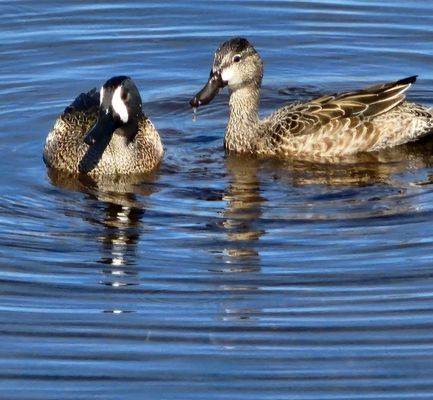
{"x": 254, "y": 185}
{"x": 242, "y": 214}
{"x": 118, "y": 206}
{"x": 358, "y": 170}
{"x": 244, "y": 195}
{"x": 240, "y": 258}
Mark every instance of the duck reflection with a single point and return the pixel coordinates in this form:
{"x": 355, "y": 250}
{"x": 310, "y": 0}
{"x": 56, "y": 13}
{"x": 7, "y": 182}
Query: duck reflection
{"x": 358, "y": 170}
{"x": 112, "y": 203}
{"x": 252, "y": 185}
{"x": 244, "y": 193}
{"x": 243, "y": 224}
{"x": 239, "y": 260}
{"x": 242, "y": 214}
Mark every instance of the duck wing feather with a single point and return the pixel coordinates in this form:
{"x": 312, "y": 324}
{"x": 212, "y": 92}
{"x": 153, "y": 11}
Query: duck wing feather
{"x": 359, "y": 107}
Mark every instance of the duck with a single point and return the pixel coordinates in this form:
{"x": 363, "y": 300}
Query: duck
{"x": 336, "y": 125}
{"x": 104, "y": 133}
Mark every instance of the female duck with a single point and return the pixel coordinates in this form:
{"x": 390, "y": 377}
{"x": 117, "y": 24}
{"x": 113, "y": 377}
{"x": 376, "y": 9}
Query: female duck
{"x": 106, "y": 133}
{"x": 337, "y": 125}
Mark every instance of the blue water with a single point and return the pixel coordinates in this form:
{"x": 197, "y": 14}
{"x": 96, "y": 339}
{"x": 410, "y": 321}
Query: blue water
{"x": 214, "y": 277}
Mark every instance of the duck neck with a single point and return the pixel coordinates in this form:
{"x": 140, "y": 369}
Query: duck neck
{"x": 243, "y": 119}
{"x": 129, "y": 130}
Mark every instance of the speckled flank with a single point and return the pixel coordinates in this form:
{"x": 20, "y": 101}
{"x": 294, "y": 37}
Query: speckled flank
{"x": 329, "y": 126}
{"x": 131, "y": 149}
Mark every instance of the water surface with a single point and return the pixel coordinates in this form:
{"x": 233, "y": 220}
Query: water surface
{"x": 214, "y": 277}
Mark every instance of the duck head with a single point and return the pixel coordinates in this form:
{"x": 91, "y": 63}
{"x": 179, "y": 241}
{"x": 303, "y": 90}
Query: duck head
{"x": 119, "y": 106}
{"x": 236, "y": 64}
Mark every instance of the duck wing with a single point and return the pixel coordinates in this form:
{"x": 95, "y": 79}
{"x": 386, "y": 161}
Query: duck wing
{"x": 65, "y": 146}
{"x": 84, "y": 101}
{"x": 350, "y": 108}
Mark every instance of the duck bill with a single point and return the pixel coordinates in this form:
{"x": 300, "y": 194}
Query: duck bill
{"x": 102, "y": 130}
{"x": 209, "y": 91}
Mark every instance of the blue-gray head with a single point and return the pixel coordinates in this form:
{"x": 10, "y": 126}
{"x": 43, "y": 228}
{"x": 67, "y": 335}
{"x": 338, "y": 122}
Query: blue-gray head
{"x": 119, "y": 105}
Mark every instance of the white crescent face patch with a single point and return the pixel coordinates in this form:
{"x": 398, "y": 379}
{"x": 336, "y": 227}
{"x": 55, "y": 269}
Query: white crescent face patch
{"x": 101, "y": 95}
{"x": 119, "y": 106}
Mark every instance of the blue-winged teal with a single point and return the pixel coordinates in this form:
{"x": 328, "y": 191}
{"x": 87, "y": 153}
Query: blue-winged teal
{"x": 329, "y": 126}
{"x": 104, "y": 133}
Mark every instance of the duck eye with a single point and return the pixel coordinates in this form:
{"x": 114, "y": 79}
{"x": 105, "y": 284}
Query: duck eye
{"x": 236, "y": 58}
{"x": 124, "y": 95}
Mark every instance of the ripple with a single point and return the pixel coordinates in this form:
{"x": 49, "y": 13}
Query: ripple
{"x": 215, "y": 276}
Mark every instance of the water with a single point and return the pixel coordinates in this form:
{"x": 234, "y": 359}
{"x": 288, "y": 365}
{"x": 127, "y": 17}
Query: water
{"x": 214, "y": 277}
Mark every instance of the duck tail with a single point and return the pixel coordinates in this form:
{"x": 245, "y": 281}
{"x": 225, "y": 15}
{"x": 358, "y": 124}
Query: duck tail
{"x": 407, "y": 81}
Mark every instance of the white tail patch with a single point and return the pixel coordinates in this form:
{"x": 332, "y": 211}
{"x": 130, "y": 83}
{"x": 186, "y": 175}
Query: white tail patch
{"x": 119, "y": 106}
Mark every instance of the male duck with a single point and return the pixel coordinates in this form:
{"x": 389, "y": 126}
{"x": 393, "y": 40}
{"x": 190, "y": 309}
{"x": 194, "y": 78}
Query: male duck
{"x": 104, "y": 134}
{"x": 329, "y": 126}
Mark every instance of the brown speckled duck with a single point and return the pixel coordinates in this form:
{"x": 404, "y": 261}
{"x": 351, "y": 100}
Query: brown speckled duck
{"x": 104, "y": 133}
{"x": 329, "y": 126}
